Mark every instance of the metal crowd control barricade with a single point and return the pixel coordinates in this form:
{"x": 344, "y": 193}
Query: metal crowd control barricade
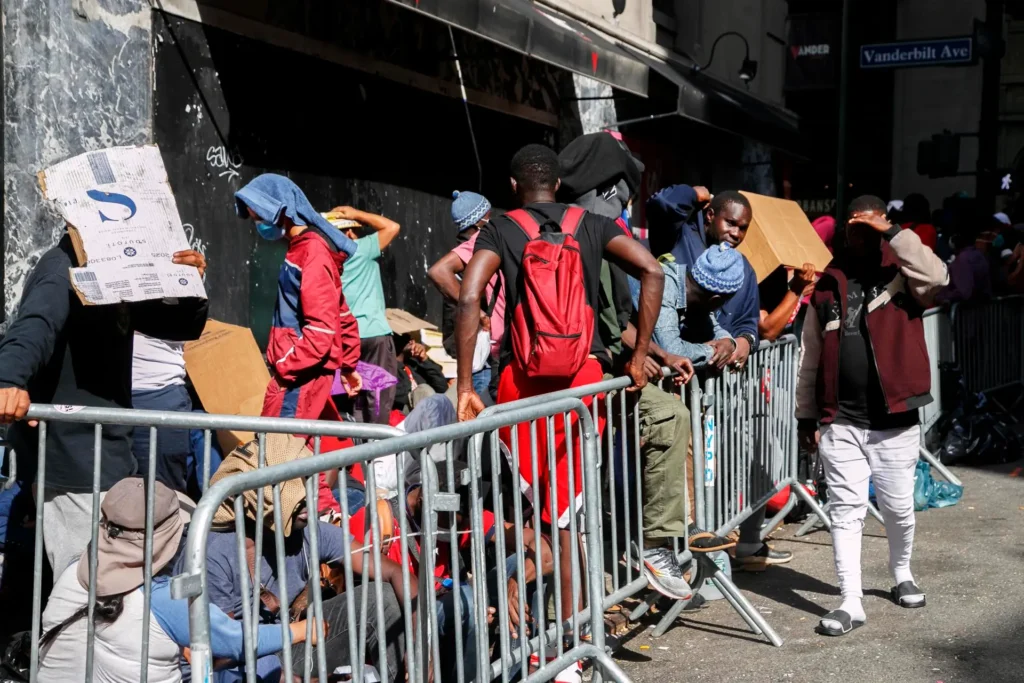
{"x": 421, "y": 632}
{"x": 938, "y": 338}
{"x": 750, "y": 451}
{"x": 622, "y": 446}
{"x": 154, "y": 421}
{"x": 988, "y": 345}
{"x": 622, "y": 468}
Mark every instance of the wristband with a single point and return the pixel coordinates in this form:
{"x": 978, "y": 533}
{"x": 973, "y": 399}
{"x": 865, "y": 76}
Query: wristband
{"x": 750, "y": 340}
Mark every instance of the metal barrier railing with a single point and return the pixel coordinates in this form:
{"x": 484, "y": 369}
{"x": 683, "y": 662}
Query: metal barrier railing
{"x": 154, "y": 420}
{"x": 988, "y": 343}
{"x": 424, "y": 643}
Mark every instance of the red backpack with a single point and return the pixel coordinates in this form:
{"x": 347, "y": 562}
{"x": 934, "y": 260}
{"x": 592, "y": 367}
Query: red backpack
{"x": 553, "y": 325}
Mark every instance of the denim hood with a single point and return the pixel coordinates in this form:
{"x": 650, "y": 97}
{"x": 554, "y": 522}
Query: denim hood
{"x": 271, "y": 195}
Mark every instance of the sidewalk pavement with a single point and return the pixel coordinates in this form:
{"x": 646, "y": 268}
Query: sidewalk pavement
{"x": 968, "y": 558}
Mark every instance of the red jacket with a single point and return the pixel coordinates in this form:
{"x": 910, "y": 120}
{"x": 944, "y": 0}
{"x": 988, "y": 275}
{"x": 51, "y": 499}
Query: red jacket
{"x": 313, "y": 329}
{"x": 909, "y": 277}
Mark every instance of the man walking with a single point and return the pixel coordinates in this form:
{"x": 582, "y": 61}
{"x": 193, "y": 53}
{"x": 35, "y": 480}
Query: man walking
{"x": 863, "y": 376}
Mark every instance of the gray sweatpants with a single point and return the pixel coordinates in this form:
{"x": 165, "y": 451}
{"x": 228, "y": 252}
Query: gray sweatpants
{"x": 67, "y": 527}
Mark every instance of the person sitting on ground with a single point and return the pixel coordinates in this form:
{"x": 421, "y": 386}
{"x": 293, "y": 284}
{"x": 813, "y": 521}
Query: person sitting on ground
{"x": 120, "y": 561}
{"x": 684, "y": 221}
{"x": 470, "y": 212}
{"x": 59, "y": 351}
{"x": 224, "y": 570}
{"x": 360, "y": 280}
{"x": 501, "y": 245}
{"x": 418, "y": 375}
{"x": 451, "y": 564}
{"x": 862, "y": 379}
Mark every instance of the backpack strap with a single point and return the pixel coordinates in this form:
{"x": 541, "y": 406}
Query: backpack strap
{"x": 526, "y": 222}
{"x": 572, "y": 219}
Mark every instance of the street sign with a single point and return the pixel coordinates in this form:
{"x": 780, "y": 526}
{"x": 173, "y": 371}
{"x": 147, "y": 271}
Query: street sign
{"x": 935, "y": 52}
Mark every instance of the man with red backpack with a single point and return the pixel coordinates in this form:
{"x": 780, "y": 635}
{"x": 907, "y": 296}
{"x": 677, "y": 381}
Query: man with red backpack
{"x": 550, "y": 257}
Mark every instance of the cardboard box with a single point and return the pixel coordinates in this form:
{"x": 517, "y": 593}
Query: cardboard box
{"x": 229, "y": 375}
{"x": 124, "y": 226}
{"x": 781, "y": 235}
{"x": 402, "y": 322}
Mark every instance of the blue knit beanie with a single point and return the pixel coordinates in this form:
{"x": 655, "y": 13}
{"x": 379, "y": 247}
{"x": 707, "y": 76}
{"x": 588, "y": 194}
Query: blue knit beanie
{"x": 468, "y": 208}
{"x": 719, "y": 270}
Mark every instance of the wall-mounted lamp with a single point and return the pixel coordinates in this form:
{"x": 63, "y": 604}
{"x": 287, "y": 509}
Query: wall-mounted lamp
{"x": 748, "y": 70}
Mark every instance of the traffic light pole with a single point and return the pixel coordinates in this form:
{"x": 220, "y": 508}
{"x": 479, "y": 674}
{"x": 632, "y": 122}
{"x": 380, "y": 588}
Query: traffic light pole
{"x": 844, "y": 86}
{"x": 988, "y": 138}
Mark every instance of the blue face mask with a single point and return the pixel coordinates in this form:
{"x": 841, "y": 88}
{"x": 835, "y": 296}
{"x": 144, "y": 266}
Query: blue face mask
{"x": 269, "y": 231}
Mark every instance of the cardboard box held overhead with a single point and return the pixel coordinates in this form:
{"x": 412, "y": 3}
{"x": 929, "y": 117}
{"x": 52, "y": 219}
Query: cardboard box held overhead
{"x": 229, "y": 375}
{"x": 124, "y": 226}
{"x": 781, "y": 235}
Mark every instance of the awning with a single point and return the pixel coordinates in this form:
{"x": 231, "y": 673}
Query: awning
{"x": 542, "y": 34}
{"x": 710, "y": 101}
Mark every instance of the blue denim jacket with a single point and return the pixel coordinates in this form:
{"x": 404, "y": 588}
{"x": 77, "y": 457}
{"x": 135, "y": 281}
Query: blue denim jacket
{"x": 673, "y": 331}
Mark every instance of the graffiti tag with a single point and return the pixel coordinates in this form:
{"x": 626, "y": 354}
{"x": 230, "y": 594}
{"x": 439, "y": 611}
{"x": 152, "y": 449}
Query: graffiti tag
{"x": 224, "y": 162}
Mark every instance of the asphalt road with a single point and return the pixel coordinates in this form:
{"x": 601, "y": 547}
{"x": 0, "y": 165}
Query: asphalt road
{"x": 968, "y": 558}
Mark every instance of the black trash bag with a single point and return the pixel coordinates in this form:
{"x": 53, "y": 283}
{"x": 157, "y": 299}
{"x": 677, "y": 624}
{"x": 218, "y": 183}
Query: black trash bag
{"x": 14, "y": 662}
{"x": 956, "y": 445}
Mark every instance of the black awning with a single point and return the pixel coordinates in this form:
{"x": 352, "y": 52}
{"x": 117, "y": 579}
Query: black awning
{"x": 712, "y": 102}
{"x": 543, "y": 34}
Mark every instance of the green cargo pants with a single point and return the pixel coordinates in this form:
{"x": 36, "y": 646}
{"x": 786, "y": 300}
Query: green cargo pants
{"x": 664, "y": 438}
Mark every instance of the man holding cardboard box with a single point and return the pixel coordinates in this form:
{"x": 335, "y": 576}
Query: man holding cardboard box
{"x": 60, "y": 350}
{"x": 684, "y": 221}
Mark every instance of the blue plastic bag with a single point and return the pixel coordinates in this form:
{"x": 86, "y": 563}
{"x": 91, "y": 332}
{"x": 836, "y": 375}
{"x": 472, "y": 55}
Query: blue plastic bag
{"x": 929, "y": 493}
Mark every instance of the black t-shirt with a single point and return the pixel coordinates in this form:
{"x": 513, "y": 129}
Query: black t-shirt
{"x": 861, "y": 402}
{"x": 507, "y": 240}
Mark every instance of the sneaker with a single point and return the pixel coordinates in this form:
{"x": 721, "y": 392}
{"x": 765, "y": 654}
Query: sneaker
{"x": 665, "y": 574}
{"x": 701, "y": 541}
{"x": 762, "y": 559}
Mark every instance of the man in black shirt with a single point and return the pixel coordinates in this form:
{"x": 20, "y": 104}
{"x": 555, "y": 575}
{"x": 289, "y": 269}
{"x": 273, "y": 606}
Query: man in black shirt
{"x": 500, "y": 245}
{"x": 59, "y": 351}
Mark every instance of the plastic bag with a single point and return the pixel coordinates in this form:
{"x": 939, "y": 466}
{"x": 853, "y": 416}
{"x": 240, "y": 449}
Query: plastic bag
{"x": 929, "y": 493}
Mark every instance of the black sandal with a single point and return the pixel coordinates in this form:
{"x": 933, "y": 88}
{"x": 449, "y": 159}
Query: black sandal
{"x": 844, "y": 619}
{"x": 906, "y": 590}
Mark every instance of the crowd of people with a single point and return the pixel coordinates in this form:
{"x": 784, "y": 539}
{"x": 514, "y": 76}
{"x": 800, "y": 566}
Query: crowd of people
{"x": 555, "y": 294}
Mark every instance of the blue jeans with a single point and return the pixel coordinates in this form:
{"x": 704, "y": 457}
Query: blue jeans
{"x": 482, "y": 382}
{"x": 356, "y": 500}
{"x": 173, "y": 446}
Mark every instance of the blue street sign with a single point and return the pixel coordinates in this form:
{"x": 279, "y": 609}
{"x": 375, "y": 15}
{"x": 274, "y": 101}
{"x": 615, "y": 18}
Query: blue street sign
{"x": 935, "y": 52}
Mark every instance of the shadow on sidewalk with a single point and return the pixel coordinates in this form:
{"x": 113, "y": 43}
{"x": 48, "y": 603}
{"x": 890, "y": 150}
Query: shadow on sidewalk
{"x": 785, "y": 585}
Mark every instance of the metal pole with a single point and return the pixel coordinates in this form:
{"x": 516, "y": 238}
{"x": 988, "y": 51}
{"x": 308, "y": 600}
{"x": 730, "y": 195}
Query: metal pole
{"x": 988, "y": 127}
{"x": 844, "y": 87}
